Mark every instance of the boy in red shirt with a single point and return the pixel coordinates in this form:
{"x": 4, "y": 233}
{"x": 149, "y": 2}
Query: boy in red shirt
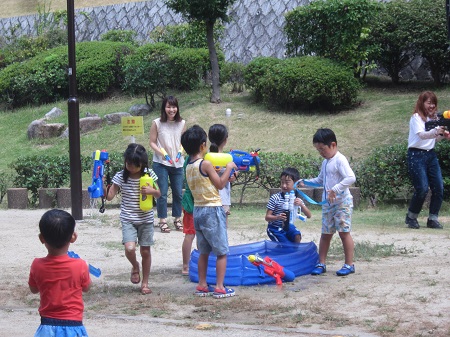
{"x": 59, "y": 279}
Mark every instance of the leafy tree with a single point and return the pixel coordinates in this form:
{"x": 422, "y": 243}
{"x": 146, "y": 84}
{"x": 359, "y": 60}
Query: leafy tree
{"x": 205, "y": 12}
{"x": 428, "y": 28}
{"x": 336, "y": 29}
{"x": 394, "y": 47}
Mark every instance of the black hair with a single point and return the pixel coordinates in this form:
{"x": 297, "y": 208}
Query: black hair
{"x": 174, "y": 102}
{"x": 136, "y": 155}
{"x": 324, "y": 136}
{"x": 57, "y": 227}
{"x": 192, "y": 139}
{"x": 290, "y": 172}
{"x": 217, "y": 134}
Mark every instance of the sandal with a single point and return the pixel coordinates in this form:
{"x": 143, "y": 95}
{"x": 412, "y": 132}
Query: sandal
{"x": 164, "y": 228}
{"x": 135, "y": 276}
{"x": 178, "y": 225}
{"x": 145, "y": 290}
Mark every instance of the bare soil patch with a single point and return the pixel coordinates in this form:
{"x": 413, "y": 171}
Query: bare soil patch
{"x": 403, "y": 295}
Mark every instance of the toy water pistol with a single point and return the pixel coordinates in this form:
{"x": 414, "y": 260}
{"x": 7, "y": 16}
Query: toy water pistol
{"x": 96, "y": 188}
{"x": 295, "y": 212}
{"x": 244, "y": 161}
{"x": 272, "y": 268}
{"x": 180, "y": 152}
{"x": 148, "y": 179}
{"x": 443, "y": 119}
{"x": 166, "y": 155}
{"x": 92, "y": 270}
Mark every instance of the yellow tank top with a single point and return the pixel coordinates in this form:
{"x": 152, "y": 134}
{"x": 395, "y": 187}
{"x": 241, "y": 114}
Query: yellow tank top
{"x": 203, "y": 190}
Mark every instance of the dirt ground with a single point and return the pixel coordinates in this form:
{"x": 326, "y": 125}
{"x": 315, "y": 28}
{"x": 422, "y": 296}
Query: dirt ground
{"x": 406, "y": 294}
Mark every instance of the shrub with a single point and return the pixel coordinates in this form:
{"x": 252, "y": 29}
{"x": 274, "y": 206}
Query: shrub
{"x": 188, "y": 67}
{"x": 43, "y": 78}
{"x": 233, "y": 73}
{"x": 254, "y": 72}
{"x": 306, "y": 81}
{"x": 118, "y": 35}
{"x": 383, "y": 174}
{"x": 147, "y": 71}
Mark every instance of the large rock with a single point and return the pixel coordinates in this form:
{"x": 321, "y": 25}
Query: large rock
{"x": 116, "y": 118}
{"x": 140, "y": 110}
{"x": 53, "y": 113}
{"x": 40, "y": 129}
{"x": 90, "y": 123}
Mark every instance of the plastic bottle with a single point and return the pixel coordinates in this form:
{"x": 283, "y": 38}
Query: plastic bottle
{"x": 291, "y": 207}
{"x": 286, "y": 212}
{"x": 145, "y": 201}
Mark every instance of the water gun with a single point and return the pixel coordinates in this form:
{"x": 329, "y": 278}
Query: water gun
{"x": 244, "y": 161}
{"x": 166, "y": 155}
{"x": 92, "y": 270}
{"x": 271, "y": 268}
{"x": 443, "y": 119}
{"x": 149, "y": 178}
{"x": 180, "y": 152}
{"x": 96, "y": 189}
{"x": 295, "y": 212}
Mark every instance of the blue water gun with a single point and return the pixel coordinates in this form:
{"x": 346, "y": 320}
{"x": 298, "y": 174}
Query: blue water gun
{"x": 92, "y": 270}
{"x": 96, "y": 189}
{"x": 246, "y": 161}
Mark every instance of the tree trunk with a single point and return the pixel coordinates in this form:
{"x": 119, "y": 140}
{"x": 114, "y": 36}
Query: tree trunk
{"x": 215, "y": 95}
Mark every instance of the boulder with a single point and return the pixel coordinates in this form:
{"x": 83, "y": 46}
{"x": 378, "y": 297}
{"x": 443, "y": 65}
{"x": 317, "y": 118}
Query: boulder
{"x": 116, "y": 118}
{"x": 40, "y": 129}
{"x": 90, "y": 123}
{"x": 140, "y": 110}
{"x": 53, "y": 113}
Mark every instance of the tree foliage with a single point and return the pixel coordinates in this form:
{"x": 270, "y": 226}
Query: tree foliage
{"x": 335, "y": 29}
{"x": 207, "y": 12}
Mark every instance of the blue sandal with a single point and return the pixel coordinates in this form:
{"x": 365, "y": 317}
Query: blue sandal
{"x": 222, "y": 293}
{"x": 346, "y": 270}
{"x": 319, "y": 269}
{"x": 204, "y": 291}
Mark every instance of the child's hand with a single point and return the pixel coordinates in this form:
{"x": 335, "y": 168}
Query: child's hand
{"x": 446, "y": 134}
{"x": 331, "y": 195}
{"x": 231, "y": 165}
{"x": 301, "y": 183}
{"x": 298, "y": 202}
{"x": 147, "y": 189}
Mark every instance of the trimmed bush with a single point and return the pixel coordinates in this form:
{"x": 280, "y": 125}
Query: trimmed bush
{"x": 254, "y": 72}
{"x": 303, "y": 82}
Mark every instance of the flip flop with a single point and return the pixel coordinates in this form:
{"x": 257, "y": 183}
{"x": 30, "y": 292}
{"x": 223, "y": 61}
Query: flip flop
{"x": 135, "y": 276}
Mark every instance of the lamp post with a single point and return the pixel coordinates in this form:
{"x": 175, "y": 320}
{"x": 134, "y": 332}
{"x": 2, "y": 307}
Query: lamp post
{"x": 74, "y": 119}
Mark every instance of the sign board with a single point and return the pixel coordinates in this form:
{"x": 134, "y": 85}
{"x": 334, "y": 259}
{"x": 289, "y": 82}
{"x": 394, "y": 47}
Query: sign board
{"x": 132, "y": 125}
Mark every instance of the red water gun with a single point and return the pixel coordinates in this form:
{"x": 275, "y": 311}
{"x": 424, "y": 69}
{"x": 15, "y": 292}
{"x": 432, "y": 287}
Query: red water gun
{"x": 272, "y": 268}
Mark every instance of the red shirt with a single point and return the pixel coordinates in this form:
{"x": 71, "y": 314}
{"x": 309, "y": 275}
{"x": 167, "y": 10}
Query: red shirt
{"x": 60, "y": 280}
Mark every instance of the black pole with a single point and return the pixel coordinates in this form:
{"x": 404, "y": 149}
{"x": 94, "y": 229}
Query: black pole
{"x": 74, "y": 120}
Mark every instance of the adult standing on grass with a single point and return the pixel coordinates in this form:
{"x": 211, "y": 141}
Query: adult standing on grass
{"x": 423, "y": 164}
{"x": 165, "y": 141}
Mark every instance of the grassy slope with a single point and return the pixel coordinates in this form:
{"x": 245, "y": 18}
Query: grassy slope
{"x": 25, "y": 7}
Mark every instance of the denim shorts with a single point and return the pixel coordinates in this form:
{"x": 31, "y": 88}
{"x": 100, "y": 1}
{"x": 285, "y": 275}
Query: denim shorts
{"x": 338, "y": 216}
{"x": 142, "y": 232}
{"x": 211, "y": 229}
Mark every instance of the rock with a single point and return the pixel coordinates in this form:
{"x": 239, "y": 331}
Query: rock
{"x": 53, "y": 113}
{"x": 140, "y": 110}
{"x": 90, "y": 123}
{"x": 116, "y": 118}
{"x": 40, "y": 129}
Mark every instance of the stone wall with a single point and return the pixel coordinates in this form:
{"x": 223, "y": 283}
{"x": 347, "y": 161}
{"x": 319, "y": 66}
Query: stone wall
{"x": 255, "y": 28}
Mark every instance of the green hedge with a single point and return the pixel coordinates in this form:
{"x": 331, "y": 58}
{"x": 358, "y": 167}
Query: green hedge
{"x": 302, "y": 82}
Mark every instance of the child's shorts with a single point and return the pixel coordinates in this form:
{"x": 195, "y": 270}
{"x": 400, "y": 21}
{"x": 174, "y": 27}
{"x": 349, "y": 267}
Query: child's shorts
{"x": 58, "y": 327}
{"x": 142, "y": 232}
{"x": 338, "y": 217}
{"x": 211, "y": 229}
{"x": 188, "y": 223}
{"x": 278, "y": 234}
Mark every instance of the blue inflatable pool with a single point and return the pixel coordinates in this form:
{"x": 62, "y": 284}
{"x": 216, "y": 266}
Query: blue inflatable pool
{"x": 298, "y": 258}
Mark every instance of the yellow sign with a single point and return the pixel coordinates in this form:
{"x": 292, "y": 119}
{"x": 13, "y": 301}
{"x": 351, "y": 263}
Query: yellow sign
{"x": 132, "y": 126}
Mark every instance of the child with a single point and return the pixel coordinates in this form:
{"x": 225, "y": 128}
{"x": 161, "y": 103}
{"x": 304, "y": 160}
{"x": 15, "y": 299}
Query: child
{"x": 335, "y": 176}
{"x": 275, "y": 216}
{"x": 209, "y": 215}
{"x": 187, "y": 203}
{"x": 59, "y": 279}
{"x": 136, "y": 224}
{"x": 218, "y": 136}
